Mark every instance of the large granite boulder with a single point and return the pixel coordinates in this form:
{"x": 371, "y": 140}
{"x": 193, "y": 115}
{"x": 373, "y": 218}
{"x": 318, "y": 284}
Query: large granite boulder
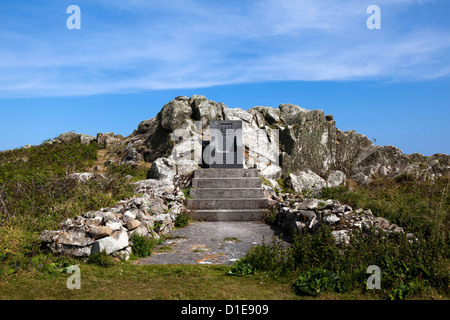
{"x": 306, "y": 182}
{"x": 162, "y": 168}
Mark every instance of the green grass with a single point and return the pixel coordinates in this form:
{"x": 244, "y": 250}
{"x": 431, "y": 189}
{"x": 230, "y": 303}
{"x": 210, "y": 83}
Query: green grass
{"x": 127, "y": 281}
{"x": 187, "y": 192}
{"x": 232, "y": 239}
{"x": 417, "y": 206}
{"x": 138, "y": 172}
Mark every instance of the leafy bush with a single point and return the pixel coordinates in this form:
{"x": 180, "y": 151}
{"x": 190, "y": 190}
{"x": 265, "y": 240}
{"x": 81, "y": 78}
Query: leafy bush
{"x": 409, "y": 268}
{"x": 187, "y": 192}
{"x": 316, "y": 281}
{"x": 240, "y": 268}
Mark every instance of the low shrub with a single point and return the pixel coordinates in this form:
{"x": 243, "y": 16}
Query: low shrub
{"x": 408, "y": 267}
{"x": 240, "y": 268}
{"x": 316, "y": 281}
{"x": 101, "y": 259}
{"x": 182, "y": 219}
{"x": 271, "y": 217}
{"x": 143, "y": 246}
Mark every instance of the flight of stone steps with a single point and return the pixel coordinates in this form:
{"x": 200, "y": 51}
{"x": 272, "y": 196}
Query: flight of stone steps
{"x": 227, "y": 195}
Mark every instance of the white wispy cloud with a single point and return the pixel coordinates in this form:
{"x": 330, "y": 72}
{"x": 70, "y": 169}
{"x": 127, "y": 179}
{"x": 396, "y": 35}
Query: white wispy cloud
{"x": 138, "y": 45}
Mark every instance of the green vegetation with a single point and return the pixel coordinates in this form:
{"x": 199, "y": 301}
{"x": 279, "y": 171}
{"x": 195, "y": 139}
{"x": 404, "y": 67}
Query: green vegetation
{"x": 313, "y": 282}
{"x": 232, "y": 239}
{"x": 142, "y": 246}
{"x": 284, "y": 188}
{"x": 420, "y": 207}
{"x": 36, "y": 194}
{"x": 165, "y": 248}
{"x": 271, "y": 217}
{"x": 138, "y": 172}
{"x": 410, "y": 269}
{"x": 124, "y": 281}
{"x": 101, "y": 259}
{"x": 187, "y": 193}
{"x": 182, "y": 219}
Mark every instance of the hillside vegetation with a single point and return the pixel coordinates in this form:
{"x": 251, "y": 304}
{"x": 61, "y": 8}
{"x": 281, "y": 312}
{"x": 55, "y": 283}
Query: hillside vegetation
{"x": 415, "y": 268}
{"x": 36, "y": 193}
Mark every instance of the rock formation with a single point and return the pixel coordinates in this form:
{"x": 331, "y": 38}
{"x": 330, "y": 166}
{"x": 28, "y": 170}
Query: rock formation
{"x": 284, "y": 142}
{"x": 278, "y": 142}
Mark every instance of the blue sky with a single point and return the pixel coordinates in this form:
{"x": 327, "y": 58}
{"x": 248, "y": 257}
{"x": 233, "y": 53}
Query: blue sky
{"x": 133, "y": 56}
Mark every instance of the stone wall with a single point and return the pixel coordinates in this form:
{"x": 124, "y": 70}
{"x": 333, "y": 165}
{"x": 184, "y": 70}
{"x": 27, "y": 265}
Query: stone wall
{"x": 151, "y": 214}
{"x": 295, "y": 213}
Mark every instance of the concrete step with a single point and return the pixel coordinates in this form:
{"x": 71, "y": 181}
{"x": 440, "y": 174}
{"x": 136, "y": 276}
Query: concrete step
{"x": 252, "y": 182}
{"x": 218, "y": 204}
{"x": 225, "y": 173}
{"x": 229, "y": 215}
{"x": 226, "y": 193}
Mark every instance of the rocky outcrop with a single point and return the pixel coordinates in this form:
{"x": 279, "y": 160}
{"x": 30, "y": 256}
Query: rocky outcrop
{"x": 72, "y": 136}
{"x": 277, "y": 141}
{"x": 178, "y": 129}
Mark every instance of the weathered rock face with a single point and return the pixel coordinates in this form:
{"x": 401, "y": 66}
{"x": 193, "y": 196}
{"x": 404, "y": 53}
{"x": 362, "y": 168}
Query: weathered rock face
{"x": 277, "y": 141}
{"x": 306, "y": 181}
{"x": 162, "y": 168}
{"x": 108, "y": 139}
{"x": 336, "y": 178}
{"x": 289, "y": 139}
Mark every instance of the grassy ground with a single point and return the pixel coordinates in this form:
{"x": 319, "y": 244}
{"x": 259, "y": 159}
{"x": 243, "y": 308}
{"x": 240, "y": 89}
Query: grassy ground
{"x": 126, "y": 281}
{"x": 172, "y": 282}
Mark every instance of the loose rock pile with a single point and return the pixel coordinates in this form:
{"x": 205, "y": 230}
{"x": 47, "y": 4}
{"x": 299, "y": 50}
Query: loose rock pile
{"x": 295, "y": 213}
{"x": 111, "y": 229}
